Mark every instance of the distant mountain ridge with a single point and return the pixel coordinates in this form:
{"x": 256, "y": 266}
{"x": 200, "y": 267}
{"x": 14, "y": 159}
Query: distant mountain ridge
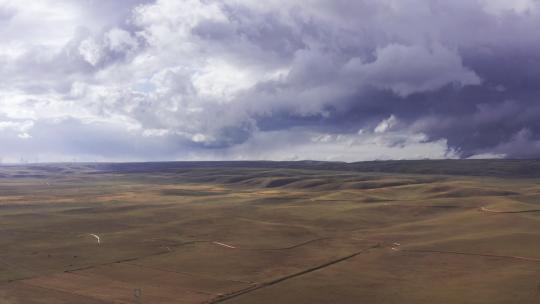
{"x": 496, "y": 168}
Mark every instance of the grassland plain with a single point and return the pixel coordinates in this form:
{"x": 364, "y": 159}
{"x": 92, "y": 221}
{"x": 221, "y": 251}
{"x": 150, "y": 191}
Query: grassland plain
{"x": 265, "y": 232}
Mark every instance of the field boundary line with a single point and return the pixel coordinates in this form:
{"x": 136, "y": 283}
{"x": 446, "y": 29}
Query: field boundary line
{"x": 241, "y": 292}
{"x": 470, "y": 253}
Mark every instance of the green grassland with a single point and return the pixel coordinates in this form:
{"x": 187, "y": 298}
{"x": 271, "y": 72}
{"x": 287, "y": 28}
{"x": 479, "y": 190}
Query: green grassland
{"x": 271, "y": 232}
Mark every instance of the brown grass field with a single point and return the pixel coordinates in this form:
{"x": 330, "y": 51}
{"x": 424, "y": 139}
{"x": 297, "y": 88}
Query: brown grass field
{"x": 269, "y": 233}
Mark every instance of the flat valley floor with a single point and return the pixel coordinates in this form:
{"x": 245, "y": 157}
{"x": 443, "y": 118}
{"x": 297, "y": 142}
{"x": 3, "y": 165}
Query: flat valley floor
{"x": 89, "y": 235}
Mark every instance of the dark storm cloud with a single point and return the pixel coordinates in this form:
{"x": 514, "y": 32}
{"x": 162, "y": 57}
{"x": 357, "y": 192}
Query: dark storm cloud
{"x": 488, "y": 116}
{"x": 473, "y": 79}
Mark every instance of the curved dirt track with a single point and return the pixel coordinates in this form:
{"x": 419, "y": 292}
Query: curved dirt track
{"x": 484, "y": 209}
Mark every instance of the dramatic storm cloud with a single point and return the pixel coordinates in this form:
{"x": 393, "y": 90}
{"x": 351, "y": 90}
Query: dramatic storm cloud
{"x": 242, "y": 79}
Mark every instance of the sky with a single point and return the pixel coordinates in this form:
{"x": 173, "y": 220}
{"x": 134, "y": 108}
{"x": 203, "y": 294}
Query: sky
{"x": 333, "y": 80}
